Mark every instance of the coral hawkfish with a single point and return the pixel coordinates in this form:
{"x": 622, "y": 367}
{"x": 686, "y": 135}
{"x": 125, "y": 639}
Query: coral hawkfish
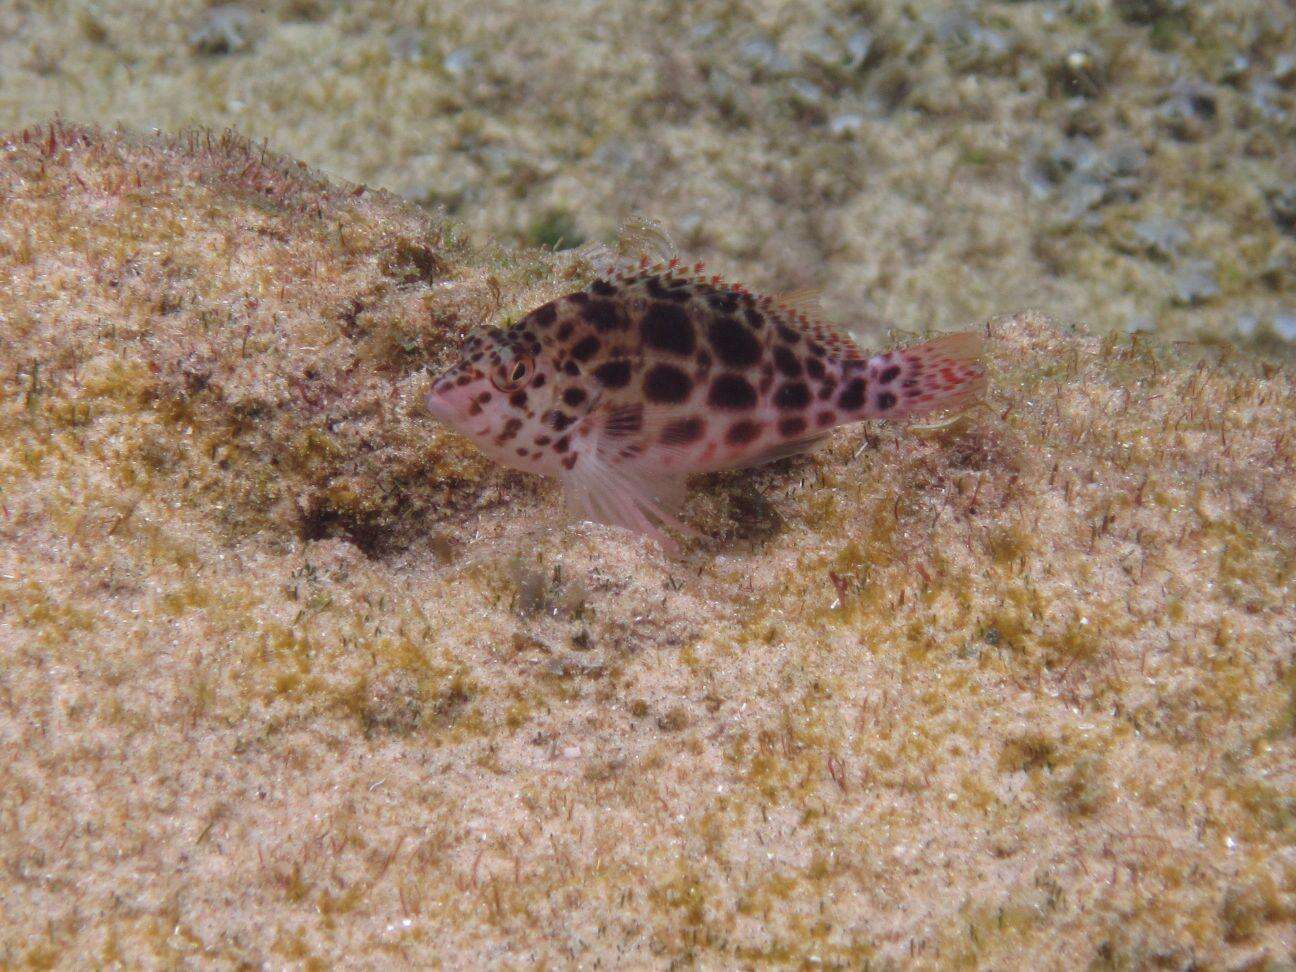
{"x": 651, "y": 374}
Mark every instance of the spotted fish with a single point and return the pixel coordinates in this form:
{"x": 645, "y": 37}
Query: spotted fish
{"x": 654, "y": 373}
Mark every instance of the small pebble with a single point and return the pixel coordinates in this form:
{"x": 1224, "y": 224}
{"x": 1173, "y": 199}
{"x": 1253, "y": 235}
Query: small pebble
{"x": 1160, "y": 236}
{"x": 222, "y": 30}
{"x": 1284, "y": 325}
{"x": 846, "y": 124}
{"x": 1195, "y": 283}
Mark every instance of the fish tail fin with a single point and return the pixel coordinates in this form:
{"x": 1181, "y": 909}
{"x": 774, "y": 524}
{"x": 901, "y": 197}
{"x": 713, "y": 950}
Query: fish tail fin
{"x": 944, "y": 374}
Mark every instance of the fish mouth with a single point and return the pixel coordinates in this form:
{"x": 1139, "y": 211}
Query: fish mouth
{"x": 439, "y": 408}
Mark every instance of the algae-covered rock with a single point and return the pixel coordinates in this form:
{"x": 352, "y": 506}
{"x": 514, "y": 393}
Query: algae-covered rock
{"x": 290, "y": 676}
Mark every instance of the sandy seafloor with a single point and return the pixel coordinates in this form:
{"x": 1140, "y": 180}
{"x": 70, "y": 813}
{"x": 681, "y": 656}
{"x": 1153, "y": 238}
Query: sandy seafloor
{"x": 291, "y": 677}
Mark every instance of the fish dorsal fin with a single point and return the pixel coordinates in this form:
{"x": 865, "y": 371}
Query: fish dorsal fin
{"x": 788, "y": 308}
{"x": 804, "y": 300}
{"x": 803, "y": 312}
{"x": 835, "y": 338}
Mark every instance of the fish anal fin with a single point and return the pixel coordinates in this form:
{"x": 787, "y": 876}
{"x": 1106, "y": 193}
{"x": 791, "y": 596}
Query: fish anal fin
{"x": 781, "y": 450}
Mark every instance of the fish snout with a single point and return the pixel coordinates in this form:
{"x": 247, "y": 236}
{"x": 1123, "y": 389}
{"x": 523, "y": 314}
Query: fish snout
{"x": 447, "y": 401}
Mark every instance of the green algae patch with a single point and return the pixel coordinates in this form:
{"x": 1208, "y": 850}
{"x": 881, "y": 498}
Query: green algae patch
{"x": 291, "y": 674}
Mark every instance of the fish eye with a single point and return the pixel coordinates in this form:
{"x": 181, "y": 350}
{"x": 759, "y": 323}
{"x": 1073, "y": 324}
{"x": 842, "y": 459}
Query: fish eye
{"x": 512, "y": 375}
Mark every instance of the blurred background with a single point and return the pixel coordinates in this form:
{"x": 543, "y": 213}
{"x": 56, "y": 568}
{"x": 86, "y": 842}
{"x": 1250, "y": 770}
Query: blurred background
{"x": 1124, "y": 164}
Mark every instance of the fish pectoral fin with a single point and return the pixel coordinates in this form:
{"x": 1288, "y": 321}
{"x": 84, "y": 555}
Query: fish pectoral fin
{"x": 630, "y": 433}
{"x": 602, "y": 492}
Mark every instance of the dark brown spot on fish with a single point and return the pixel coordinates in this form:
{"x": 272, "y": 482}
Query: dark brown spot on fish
{"x": 852, "y": 396}
{"x": 603, "y": 288}
{"x": 563, "y": 444}
{"x": 791, "y": 426}
{"x": 559, "y": 420}
{"x": 788, "y": 334}
{"x": 725, "y": 303}
{"x": 657, "y": 288}
{"x": 666, "y": 383}
{"x": 580, "y": 298}
{"x": 564, "y": 332}
{"x": 825, "y": 418}
{"x": 570, "y": 461}
{"x": 889, "y": 374}
{"x": 586, "y": 348}
{"x": 574, "y": 396}
{"x": 667, "y": 328}
{"x": 683, "y": 431}
{"x": 572, "y": 368}
{"x": 793, "y": 394}
{"x": 786, "y": 361}
{"x": 815, "y": 348}
{"x": 613, "y": 374}
{"x": 518, "y": 399}
{"x": 538, "y": 381}
{"x": 474, "y": 408}
{"x": 826, "y": 390}
{"x": 740, "y": 433}
{"x": 605, "y": 315}
{"x": 754, "y": 318}
{"x": 733, "y": 343}
{"x": 545, "y": 315}
{"x": 732, "y": 391}
{"x": 543, "y": 440}
{"x": 885, "y": 400}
